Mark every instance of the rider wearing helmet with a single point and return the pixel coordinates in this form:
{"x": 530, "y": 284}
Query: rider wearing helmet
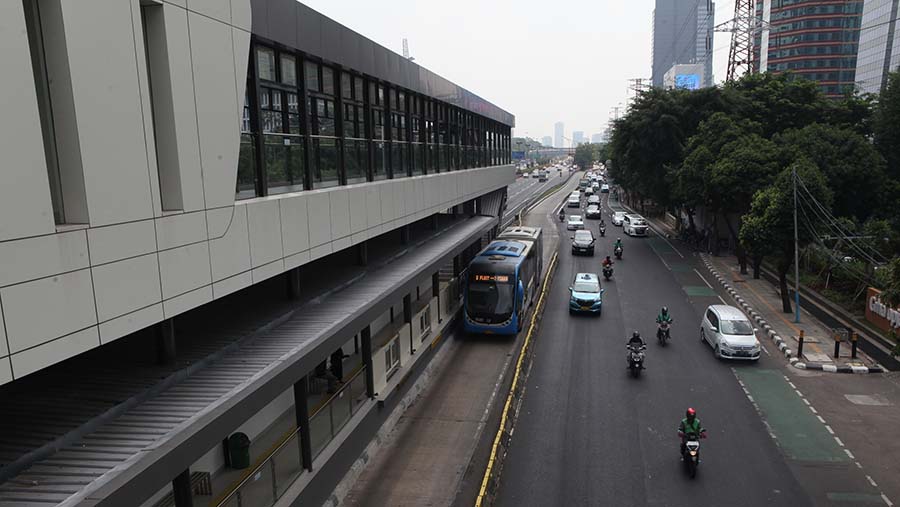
{"x": 636, "y": 340}
{"x": 664, "y": 316}
{"x": 618, "y": 243}
{"x": 690, "y": 425}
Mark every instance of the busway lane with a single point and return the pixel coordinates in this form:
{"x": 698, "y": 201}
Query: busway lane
{"x": 588, "y": 434}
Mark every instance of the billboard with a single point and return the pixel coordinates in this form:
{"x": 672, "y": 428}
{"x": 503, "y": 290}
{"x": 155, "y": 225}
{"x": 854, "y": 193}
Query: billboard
{"x": 687, "y": 81}
{"x": 518, "y": 155}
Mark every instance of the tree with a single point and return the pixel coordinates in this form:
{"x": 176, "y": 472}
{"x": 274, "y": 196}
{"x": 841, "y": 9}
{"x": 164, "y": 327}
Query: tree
{"x": 848, "y": 161}
{"x": 777, "y": 102}
{"x": 768, "y": 229}
{"x": 886, "y": 125}
{"x": 584, "y": 155}
{"x": 891, "y": 292}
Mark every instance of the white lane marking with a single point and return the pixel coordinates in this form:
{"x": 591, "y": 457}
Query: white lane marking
{"x": 798, "y": 393}
{"x": 849, "y": 454}
{"x": 871, "y": 481}
{"x": 820, "y": 419}
{"x": 858, "y": 465}
{"x": 670, "y": 244}
{"x": 827, "y": 427}
{"x": 838, "y": 440}
{"x": 765, "y": 349}
{"x": 813, "y": 410}
{"x": 704, "y": 279}
{"x": 888, "y": 502}
{"x": 722, "y": 300}
{"x": 806, "y": 401}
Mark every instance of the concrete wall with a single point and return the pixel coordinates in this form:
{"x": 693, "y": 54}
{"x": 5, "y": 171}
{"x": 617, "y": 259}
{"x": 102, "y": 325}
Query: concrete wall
{"x": 147, "y": 239}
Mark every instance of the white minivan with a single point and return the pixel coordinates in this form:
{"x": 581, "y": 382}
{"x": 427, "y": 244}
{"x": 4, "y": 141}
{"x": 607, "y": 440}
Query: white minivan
{"x": 730, "y": 333}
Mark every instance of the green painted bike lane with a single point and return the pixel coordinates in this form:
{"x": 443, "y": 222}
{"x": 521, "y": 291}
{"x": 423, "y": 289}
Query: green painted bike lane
{"x": 827, "y": 469}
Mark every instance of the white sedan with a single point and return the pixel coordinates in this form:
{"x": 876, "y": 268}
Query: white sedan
{"x": 618, "y": 217}
{"x": 575, "y": 222}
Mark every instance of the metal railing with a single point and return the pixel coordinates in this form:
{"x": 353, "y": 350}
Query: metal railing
{"x": 268, "y": 480}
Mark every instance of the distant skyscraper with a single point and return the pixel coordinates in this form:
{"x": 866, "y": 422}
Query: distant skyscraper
{"x": 547, "y": 141}
{"x": 879, "y": 45}
{"x": 682, "y": 33}
{"x": 559, "y": 130}
{"x": 577, "y": 137}
{"x": 816, "y": 42}
{"x": 597, "y": 138}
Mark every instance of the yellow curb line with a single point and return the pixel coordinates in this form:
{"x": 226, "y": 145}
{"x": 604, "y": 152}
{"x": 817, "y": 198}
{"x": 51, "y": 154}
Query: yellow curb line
{"x": 512, "y": 388}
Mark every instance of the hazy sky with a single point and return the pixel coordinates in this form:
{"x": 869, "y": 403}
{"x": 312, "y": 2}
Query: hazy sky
{"x": 542, "y": 61}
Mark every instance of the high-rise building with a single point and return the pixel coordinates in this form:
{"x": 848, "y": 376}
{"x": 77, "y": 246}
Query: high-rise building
{"x": 597, "y": 138}
{"x": 812, "y": 40}
{"x": 547, "y": 141}
{"x": 577, "y": 137}
{"x": 682, "y": 33}
{"x": 559, "y": 131}
{"x": 879, "y": 47}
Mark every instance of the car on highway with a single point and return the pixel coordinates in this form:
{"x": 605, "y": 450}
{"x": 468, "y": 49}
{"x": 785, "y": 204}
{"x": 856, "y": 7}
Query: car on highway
{"x": 585, "y": 294}
{"x": 589, "y": 190}
{"x": 730, "y": 333}
{"x": 575, "y": 222}
{"x": 543, "y": 176}
{"x": 634, "y": 225}
{"x": 583, "y": 242}
{"x": 593, "y": 211}
{"x": 618, "y": 217}
{"x": 574, "y": 201}
{"x": 604, "y": 188}
{"x": 593, "y": 199}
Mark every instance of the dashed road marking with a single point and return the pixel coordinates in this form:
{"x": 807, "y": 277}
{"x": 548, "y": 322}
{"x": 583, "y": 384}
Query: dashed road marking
{"x": 838, "y": 440}
{"x": 871, "y": 481}
{"x": 704, "y": 279}
{"x": 886, "y": 500}
{"x": 827, "y": 427}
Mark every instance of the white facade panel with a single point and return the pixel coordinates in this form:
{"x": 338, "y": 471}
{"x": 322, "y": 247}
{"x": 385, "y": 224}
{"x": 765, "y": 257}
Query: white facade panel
{"x": 4, "y": 349}
{"x": 233, "y": 284}
{"x": 113, "y": 150}
{"x": 264, "y": 219}
{"x": 373, "y": 206}
{"x": 187, "y": 301}
{"x": 268, "y": 271}
{"x": 213, "y": 63}
{"x": 39, "y": 311}
{"x": 340, "y": 213}
{"x": 37, "y": 358}
{"x": 358, "y": 221}
{"x": 184, "y": 269}
{"x": 25, "y": 193}
{"x": 27, "y": 259}
{"x": 220, "y": 10}
{"x": 125, "y": 286}
{"x": 229, "y": 245}
{"x": 240, "y": 39}
{"x": 294, "y": 224}
{"x": 116, "y": 242}
{"x": 241, "y": 15}
{"x": 114, "y": 329}
{"x": 181, "y": 229}
{"x": 5, "y": 370}
{"x": 319, "y": 206}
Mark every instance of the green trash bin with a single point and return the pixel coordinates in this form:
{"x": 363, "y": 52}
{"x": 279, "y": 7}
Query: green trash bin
{"x": 239, "y": 451}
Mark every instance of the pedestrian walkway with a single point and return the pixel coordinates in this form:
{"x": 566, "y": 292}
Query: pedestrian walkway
{"x": 765, "y": 301}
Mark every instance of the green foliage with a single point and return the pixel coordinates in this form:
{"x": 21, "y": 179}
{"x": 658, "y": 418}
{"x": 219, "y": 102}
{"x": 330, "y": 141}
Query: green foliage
{"x": 886, "y": 125}
{"x": 891, "y": 292}
{"x": 584, "y": 155}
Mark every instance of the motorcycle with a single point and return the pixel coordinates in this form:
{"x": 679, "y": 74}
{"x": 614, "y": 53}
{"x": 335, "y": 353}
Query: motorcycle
{"x": 691, "y": 455}
{"x": 602, "y": 231}
{"x": 562, "y": 217}
{"x": 662, "y": 333}
{"x": 635, "y": 359}
{"x": 607, "y": 272}
{"x": 618, "y": 252}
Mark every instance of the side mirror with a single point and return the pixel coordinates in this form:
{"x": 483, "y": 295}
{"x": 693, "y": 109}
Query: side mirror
{"x": 714, "y": 329}
{"x": 570, "y": 288}
{"x": 602, "y": 291}
{"x": 755, "y": 329}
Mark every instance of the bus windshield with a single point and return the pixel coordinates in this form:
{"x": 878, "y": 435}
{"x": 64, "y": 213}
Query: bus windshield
{"x": 491, "y": 298}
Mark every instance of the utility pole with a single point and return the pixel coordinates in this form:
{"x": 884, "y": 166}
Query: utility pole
{"x": 743, "y": 27}
{"x": 615, "y": 111}
{"x": 796, "y": 252}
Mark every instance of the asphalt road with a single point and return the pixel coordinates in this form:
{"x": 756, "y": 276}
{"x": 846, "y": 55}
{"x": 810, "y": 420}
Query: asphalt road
{"x": 589, "y": 434}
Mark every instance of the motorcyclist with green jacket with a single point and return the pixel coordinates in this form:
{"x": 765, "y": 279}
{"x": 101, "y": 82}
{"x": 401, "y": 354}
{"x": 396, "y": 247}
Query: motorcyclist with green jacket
{"x": 664, "y": 316}
{"x": 690, "y": 425}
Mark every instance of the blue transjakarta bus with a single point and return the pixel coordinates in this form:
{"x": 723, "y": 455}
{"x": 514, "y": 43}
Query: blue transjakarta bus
{"x": 502, "y": 282}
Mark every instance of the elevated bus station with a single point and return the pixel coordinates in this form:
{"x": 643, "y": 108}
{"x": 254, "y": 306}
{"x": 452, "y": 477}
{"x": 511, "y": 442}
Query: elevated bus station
{"x": 236, "y": 236}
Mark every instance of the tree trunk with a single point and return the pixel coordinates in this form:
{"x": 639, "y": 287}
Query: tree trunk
{"x": 738, "y": 249}
{"x": 691, "y": 226}
{"x": 757, "y": 264}
{"x": 783, "y": 268}
{"x": 715, "y": 235}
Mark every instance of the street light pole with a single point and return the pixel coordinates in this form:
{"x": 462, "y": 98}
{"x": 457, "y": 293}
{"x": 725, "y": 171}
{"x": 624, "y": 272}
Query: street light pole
{"x": 796, "y": 252}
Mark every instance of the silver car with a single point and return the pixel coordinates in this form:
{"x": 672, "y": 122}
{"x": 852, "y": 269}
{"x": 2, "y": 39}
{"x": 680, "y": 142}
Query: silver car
{"x": 618, "y": 217}
{"x": 730, "y": 333}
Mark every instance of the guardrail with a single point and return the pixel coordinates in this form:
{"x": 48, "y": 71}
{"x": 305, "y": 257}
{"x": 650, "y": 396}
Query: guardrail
{"x": 274, "y": 473}
{"x": 491, "y": 478}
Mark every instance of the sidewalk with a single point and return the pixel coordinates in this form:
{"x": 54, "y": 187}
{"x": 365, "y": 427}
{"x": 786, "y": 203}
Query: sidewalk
{"x": 762, "y": 301}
